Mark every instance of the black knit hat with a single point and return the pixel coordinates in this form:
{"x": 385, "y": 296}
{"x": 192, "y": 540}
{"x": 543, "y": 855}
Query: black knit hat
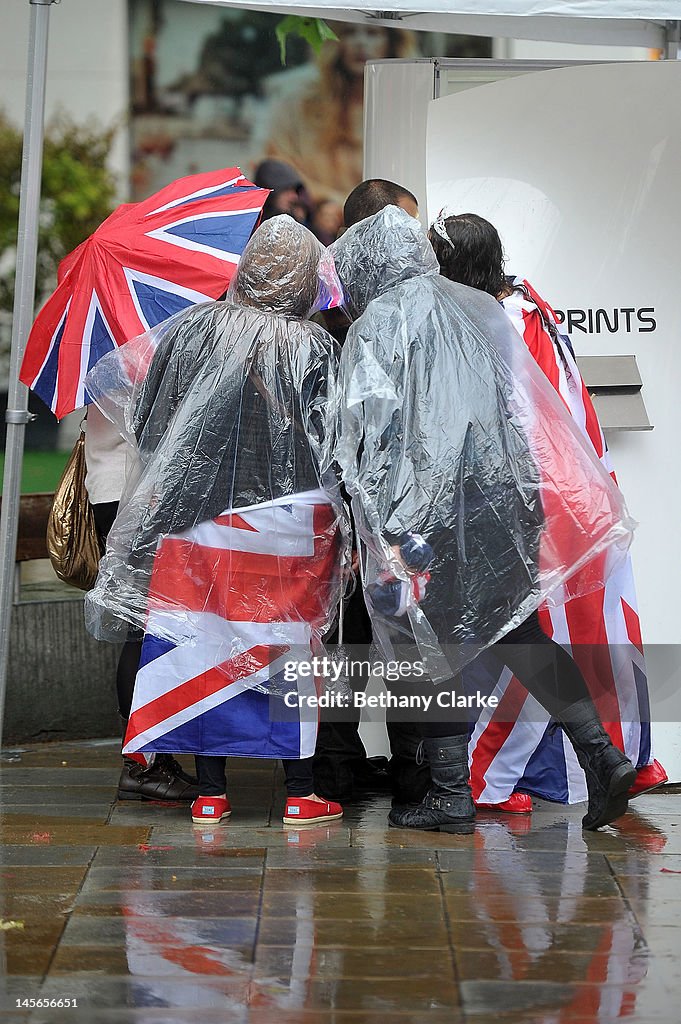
{"x": 277, "y": 175}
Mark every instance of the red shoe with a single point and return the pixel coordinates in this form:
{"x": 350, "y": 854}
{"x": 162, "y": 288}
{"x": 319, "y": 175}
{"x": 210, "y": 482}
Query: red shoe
{"x": 210, "y": 810}
{"x": 650, "y": 777}
{"x": 300, "y": 810}
{"x": 517, "y": 803}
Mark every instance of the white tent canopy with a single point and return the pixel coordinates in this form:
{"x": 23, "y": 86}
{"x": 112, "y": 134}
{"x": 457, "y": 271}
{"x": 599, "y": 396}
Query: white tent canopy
{"x": 651, "y": 23}
{"x": 611, "y": 22}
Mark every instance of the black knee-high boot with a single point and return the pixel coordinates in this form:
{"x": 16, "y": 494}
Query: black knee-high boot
{"x": 609, "y": 774}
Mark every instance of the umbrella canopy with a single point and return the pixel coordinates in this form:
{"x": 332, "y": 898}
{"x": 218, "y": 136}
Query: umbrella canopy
{"x": 146, "y": 262}
{"x": 609, "y": 22}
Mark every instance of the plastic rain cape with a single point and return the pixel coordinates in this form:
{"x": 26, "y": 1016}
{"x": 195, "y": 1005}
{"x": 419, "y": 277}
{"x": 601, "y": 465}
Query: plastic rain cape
{"x": 230, "y": 535}
{"x": 475, "y": 495}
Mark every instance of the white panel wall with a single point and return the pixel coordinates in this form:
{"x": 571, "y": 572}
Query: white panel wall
{"x": 397, "y": 94}
{"x": 534, "y": 49}
{"x": 583, "y": 188}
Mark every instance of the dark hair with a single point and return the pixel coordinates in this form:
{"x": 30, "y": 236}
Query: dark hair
{"x": 371, "y": 196}
{"x": 475, "y": 256}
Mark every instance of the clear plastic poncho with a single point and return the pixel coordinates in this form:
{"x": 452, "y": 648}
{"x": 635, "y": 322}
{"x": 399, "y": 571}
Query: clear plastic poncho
{"x": 475, "y": 495}
{"x": 231, "y": 533}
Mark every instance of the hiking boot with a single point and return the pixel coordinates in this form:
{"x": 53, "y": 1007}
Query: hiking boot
{"x": 175, "y": 768}
{"x": 154, "y": 782}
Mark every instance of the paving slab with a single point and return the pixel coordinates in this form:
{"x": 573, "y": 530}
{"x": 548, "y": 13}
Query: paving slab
{"x": 144, "y": 918}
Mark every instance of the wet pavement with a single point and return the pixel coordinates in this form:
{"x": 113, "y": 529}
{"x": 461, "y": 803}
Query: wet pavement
{"x": 141, "y": 917}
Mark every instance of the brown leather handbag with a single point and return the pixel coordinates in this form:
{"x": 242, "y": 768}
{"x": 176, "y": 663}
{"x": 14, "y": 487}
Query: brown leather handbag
{"x": 73, "y": 542}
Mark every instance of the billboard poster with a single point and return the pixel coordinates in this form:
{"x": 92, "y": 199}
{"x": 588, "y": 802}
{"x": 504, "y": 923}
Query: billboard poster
{"x": 208, "y": 90}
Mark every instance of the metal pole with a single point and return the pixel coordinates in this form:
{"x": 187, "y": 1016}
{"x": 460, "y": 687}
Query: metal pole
{"x": 17, "y": 415}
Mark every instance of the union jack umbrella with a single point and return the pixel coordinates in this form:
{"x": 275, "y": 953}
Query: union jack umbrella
{"x": 146, "y": 262}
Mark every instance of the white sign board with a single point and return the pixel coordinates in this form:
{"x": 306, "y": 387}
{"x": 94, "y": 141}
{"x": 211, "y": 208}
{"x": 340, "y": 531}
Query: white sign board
{"x": 579, "y": 170}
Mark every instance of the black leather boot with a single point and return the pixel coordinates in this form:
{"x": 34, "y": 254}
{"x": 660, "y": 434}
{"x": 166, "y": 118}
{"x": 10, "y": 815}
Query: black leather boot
{"x": 339, "y": 751}
{"x": 408, "y": 767}
{"x": 175, "y": 768}
{"x": 609, "y": 774}
{"x": 163, "y": 779}
{"x": 448, "y": 806}
{"x": 371, "y": 775}
{"x": 158, "y": 781}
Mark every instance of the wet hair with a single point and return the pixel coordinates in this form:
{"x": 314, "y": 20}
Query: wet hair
{"x": 469, "y": 250}
{"x": 371, "y": 196}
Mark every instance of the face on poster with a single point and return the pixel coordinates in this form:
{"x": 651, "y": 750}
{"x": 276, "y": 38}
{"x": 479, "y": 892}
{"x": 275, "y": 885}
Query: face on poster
{"x": 208, "y": 90}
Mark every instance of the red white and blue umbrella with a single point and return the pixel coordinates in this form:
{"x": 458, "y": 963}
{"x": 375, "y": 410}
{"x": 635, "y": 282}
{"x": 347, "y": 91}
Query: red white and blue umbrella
{"x": 146, "y": 262}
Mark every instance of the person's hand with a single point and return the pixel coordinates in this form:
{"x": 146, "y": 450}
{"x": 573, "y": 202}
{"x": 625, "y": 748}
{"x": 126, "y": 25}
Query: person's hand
{"x": 413, "y": 553}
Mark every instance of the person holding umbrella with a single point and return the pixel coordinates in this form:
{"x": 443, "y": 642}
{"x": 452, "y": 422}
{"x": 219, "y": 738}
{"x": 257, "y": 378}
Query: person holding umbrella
{"x": 228, "y": 546}
{"x": 144, "y": 263}
{"x": 288, "y": 193}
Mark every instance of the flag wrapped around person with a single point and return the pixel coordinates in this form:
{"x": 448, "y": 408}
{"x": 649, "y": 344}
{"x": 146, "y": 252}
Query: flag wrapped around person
{"x": 229, "y": 544}
{"x": 254, "y": 588}
{"x": 600, "y": 629}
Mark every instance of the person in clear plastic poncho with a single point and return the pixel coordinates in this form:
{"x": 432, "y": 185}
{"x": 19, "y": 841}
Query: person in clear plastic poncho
{"x": 229, "y": 543}
{"x": 600, "y": 629}
{"x": 476, "y": 499}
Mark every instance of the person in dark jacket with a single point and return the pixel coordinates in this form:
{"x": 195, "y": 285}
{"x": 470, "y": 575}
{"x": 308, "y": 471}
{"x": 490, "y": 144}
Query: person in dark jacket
{"x": 341, "y": 763}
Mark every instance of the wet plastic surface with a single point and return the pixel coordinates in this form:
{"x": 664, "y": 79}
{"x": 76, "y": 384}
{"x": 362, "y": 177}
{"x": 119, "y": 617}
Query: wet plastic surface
{"x": 141, "y": 917}
{"x": 228, "y": 407}
{"x": 475, "y": 494}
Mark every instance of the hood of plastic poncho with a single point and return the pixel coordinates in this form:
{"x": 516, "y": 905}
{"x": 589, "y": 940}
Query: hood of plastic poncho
{"x": 284, "y": 270}
{"x": 378, "y": 254}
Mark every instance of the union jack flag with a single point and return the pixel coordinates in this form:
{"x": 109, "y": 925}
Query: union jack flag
{"x": 528, "y": 924}
{"x": 231, "y": 602}
{"x": 146, "y": 262}
{"x": 204, "y": 961}
{"x": 517, "y": 746}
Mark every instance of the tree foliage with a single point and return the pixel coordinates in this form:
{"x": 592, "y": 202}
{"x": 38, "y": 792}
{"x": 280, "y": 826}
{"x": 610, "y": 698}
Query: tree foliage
{"x": 77, "y": 194}
{"x": 312, "y": 30}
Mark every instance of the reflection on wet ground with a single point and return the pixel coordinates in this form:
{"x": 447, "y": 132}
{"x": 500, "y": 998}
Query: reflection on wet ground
{"x": 140, "y": 917}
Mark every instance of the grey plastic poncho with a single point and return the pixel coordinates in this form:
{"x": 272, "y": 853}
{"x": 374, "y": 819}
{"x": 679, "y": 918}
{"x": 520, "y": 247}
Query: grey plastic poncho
{"x": 476, "y": 497}
{"x": 230, "y": 535}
